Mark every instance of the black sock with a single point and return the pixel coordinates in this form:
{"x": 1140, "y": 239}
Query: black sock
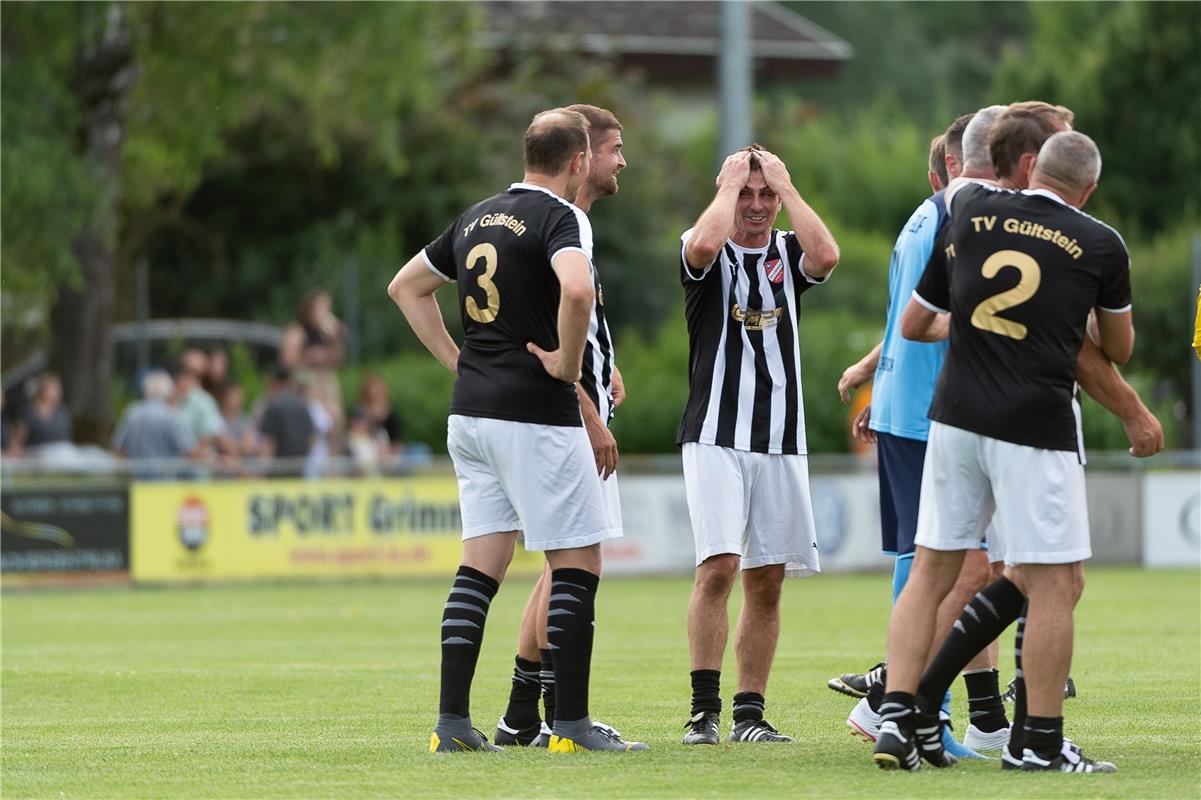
{"x": 523, "y": 697}
{"x": 897, "y": 707}
{"x": 875, "y": 692}
{"x": 748, "y": 706}
{"x": 1017, "y": 739}
{"x": 463, "y": 619}
{"x": 706, "y": 691}
{"x": 984, "y": 705}
{"x": 547, "y": 678}
{"x": 569, "y": 628}
{"x": 1044, "y": 735}
{"x": 990, "y": 612}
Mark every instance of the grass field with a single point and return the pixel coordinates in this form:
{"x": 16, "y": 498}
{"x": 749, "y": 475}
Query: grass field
{"x": 330, "y": 691}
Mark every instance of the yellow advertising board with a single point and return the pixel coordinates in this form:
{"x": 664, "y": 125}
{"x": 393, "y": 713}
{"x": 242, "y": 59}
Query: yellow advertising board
{"x": 299, "y": 529}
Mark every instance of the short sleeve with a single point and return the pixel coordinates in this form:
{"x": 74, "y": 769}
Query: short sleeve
{"x": 934, "y": 288}
{"x": 569, "y": 231}
{"x": 687, "y": 272}
{"x": 439, "y": 254}
{"x": 796, "y": 261}
{"x": 1115, "y": 295}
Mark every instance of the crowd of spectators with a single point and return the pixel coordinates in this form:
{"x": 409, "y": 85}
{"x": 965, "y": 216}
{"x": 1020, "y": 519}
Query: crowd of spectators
{"x": 194, "y": 410}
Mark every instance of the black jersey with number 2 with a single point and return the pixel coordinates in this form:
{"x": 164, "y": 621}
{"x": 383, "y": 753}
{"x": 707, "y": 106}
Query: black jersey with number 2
{"x": 500, "y": 252}
{"x": 1019, "y": 272}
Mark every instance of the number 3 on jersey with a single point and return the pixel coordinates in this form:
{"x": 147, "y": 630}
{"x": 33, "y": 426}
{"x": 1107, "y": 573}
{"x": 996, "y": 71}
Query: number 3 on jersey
{"x": 488, "y": 314}
{"x": 985, "y": 316}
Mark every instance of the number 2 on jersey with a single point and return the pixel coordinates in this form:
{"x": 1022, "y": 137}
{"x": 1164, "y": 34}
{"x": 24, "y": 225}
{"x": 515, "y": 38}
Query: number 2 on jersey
{"x": 985, "y": 316}
{"x": 487, "y": 314}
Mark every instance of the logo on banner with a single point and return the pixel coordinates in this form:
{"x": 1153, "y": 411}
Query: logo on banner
{"x": 774, "y": 268}
{"x": 193, "y": 524}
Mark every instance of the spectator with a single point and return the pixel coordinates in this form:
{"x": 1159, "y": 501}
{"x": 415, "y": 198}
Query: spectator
{"x": 383, "y": 421}
{"x": 313, "y": 347}
{"x": 365, "y": 448}
{"x": 241, "y": 437}
{"x": 286, "y": 425}
{"x": 216, "y": 374}
{"x": 44, "y": 419}
{"x": 198, "y": 409}
{"x": 152, "y": 428}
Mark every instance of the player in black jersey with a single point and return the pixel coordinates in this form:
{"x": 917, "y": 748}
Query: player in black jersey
{"x": 600, "y": 390}
{"x": 743, "y": 430}
{"x": 1022, "y": 274}
{"x": 522, "y": 260}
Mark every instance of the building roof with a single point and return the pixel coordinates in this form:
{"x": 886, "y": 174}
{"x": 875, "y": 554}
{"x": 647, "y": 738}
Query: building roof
{"x": 674, "y": 39}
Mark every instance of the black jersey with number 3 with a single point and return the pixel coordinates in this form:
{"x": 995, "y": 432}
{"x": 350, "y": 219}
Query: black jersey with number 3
{"x": 500, "y": 252}
{"x": 1019, "y": 272}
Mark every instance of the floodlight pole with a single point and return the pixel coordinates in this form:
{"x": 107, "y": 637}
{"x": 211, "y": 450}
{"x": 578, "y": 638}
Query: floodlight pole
{"x": 734, "y": 77}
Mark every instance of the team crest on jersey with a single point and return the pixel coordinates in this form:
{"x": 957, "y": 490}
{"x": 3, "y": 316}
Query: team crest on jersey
{"x": 774, "y": 267}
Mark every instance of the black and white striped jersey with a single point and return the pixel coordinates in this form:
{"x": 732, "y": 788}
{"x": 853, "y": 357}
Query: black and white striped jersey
{"x": 744, "y": 362}
{"x": 596, "y": 375}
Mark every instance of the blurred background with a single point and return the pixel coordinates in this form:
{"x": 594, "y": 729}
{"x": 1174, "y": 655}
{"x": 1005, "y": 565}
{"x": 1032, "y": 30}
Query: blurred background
{"x": 216, "y": 195}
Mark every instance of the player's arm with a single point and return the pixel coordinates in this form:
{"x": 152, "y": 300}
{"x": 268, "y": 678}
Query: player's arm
{"x": 413, "y": 292}
{"x": 619, "y": 387}
{"x": 859, "y": 373}
{"x": 921, "y": 322}
{"x": 713, "y": 227}
{"x": 1115, "y": 333}
{"x": 1101, "y": 380}
{"x": 821, "y": 251}
{"x": 604, "y": 446}
{"x": 576, "y": 294}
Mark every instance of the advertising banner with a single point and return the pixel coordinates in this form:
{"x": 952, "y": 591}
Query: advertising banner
{"x": 300, "y": 529}
{"x": 1172, "y": 519}
{"x": 64, "y": 530}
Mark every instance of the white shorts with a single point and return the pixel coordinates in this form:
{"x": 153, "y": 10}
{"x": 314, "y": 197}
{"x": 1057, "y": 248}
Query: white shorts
{"x": 753, "y": 505}
{"x": 538, "y": 479}
{"x": 1041, "y": 515}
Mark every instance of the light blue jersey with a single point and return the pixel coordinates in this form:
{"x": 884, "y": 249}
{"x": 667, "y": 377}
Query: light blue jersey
{"x": 907, "y": 372}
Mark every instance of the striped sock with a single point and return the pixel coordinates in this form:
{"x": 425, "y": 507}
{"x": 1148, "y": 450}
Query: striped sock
{"x": 897, "y": 707}
{"x": 546, "y": 677}
{"x": 463, "y": 619}
{"x": 1044, "y": 735}
{"x": 523, "y": 697}
{"x": 748, "y": 706}
{"x": 1017, "y": 731}
{"x": 569, "y": 629}
{"x": 983, "y": 619}
{"x": 984, "y": 706}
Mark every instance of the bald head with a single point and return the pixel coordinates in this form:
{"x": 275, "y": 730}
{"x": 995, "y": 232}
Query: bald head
{"x": 553, "y": 139}
{"x": 1068, "y": 161}
{"x": 975, "y": 140}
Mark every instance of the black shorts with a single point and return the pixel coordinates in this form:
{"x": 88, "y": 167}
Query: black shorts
{"x": 900, "y": 468}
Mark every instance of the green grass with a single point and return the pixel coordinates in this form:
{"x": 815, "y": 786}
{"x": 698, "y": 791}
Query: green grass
{"x": 330, "y": 690}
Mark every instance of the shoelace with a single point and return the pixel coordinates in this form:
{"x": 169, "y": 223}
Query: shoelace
{"x": 608, "y": 731}
{"x": 701, "y": 722}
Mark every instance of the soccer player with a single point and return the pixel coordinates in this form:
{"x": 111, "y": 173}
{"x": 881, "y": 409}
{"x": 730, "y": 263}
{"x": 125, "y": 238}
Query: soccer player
{"x": 743, "y": 429}
{"x": 905, "y": 373}
{"x": 1005, "y": 436}
{"x": 600, "y": 391}
{"x": 522, "y": 259}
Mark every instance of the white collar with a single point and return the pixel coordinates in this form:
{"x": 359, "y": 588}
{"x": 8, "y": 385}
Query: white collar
{"x": 533, "y": 187}
{"x": 1046, "y": 193}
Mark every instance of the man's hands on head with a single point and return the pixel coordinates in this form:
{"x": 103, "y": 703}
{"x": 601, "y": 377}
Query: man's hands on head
{"x": 775, "y": 174}
{"x": 735, "y": 171}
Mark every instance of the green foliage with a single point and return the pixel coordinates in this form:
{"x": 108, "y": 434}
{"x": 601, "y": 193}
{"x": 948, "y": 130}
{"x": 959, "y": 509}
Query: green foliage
{"x": 1130, "y": 73}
